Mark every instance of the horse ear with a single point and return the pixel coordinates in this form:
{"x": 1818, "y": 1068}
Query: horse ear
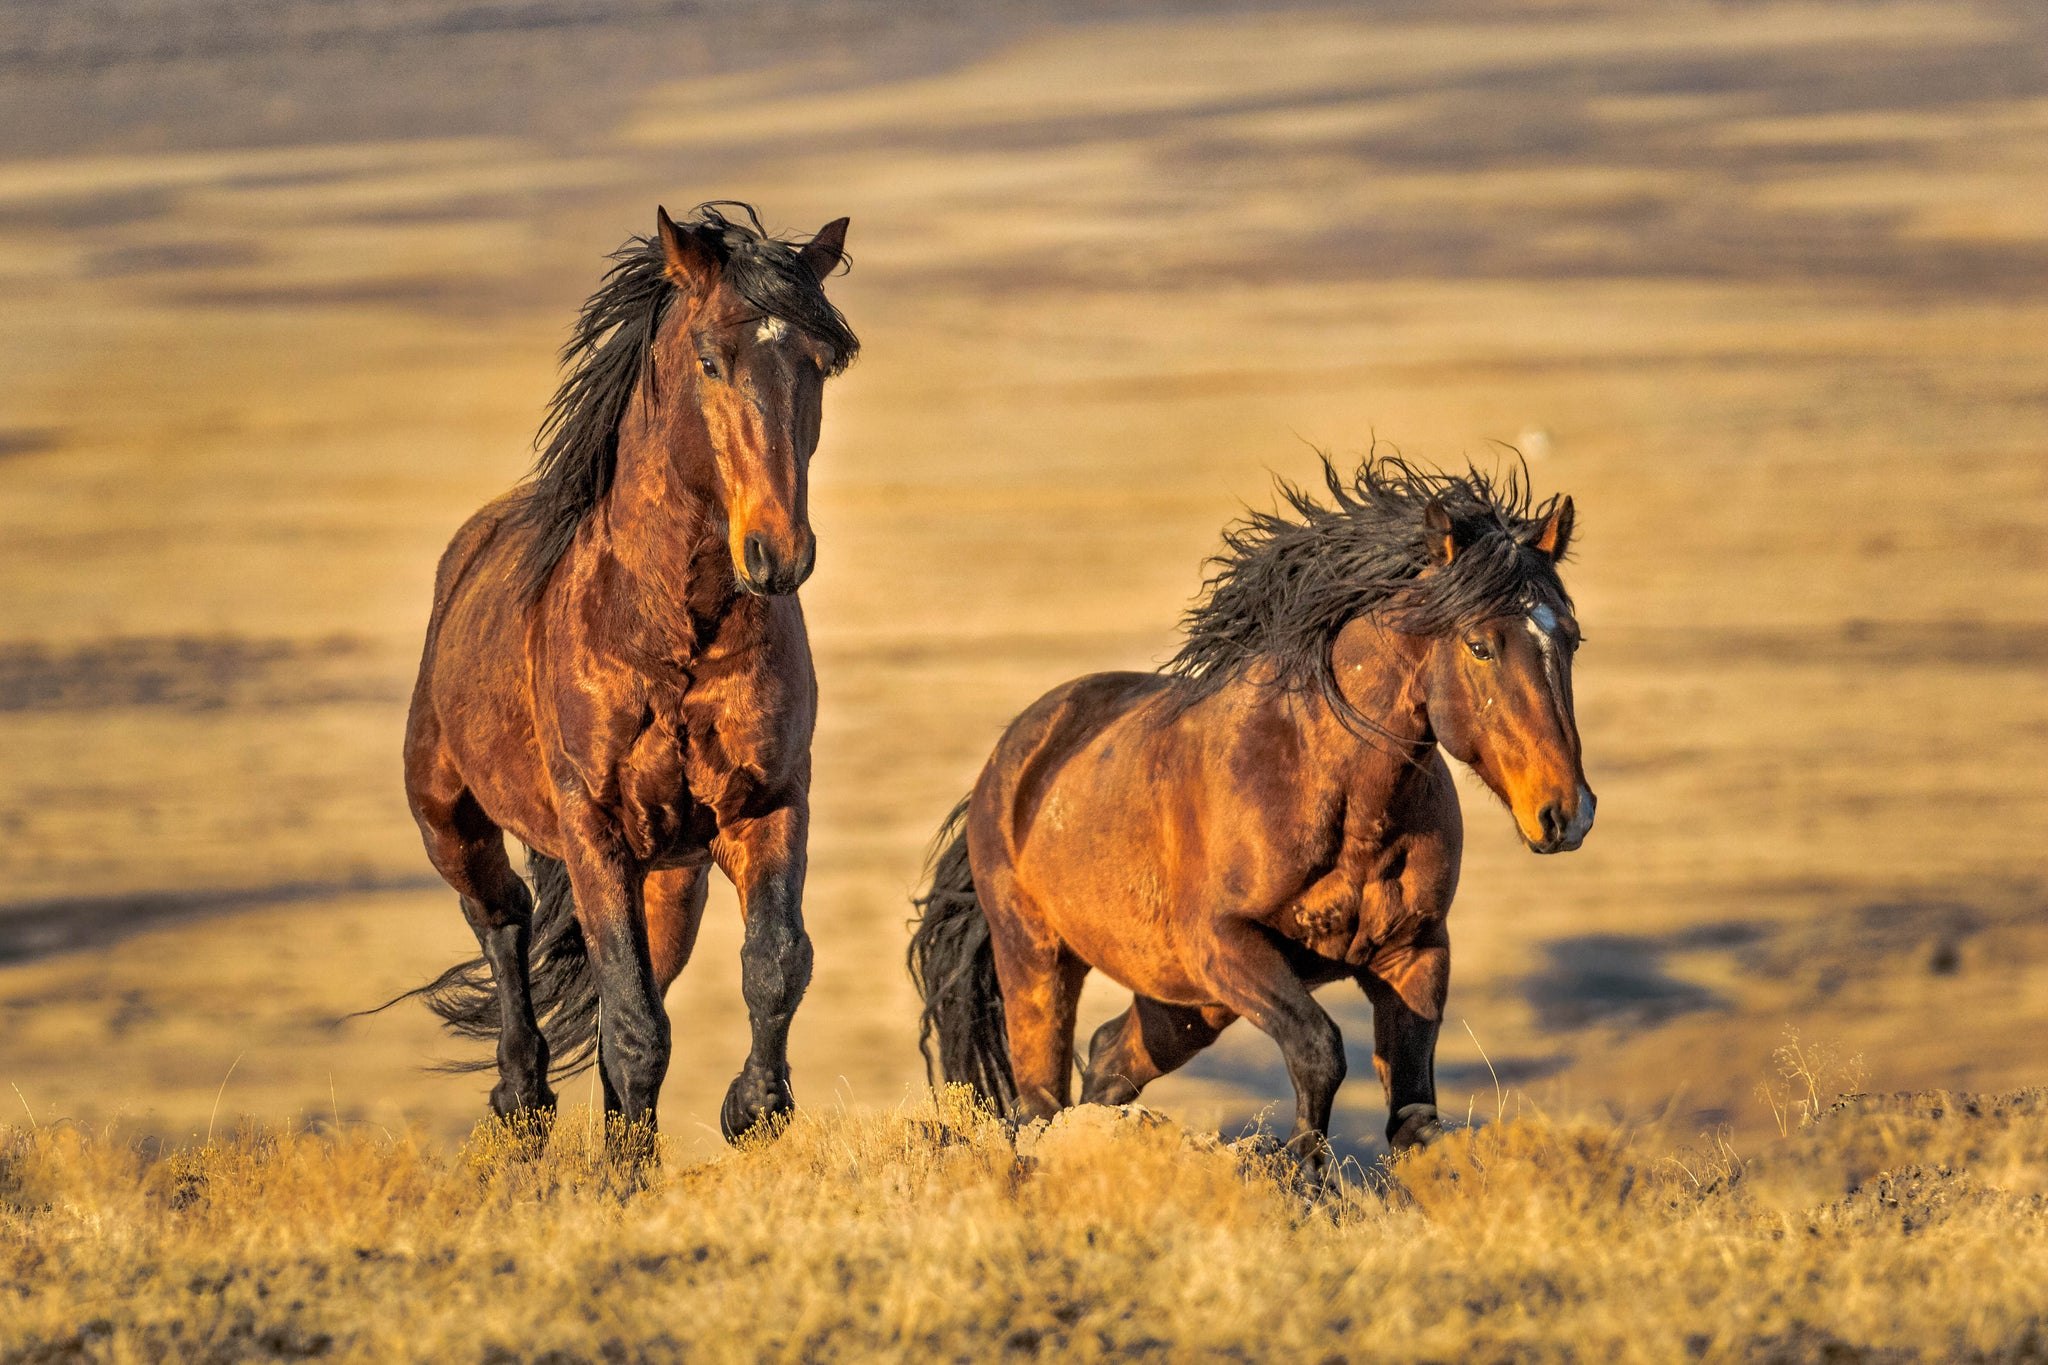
{"x": 689, "y": 261}
{"x": 824, "y": 251}
{"x": 1555, "y": 537}
{"x": 1443, "y": 545}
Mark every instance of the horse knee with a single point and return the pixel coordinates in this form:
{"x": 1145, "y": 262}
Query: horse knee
{"x": 635, "y": 1047}
{"x": 1321, "y": 1065}
{"x": 775, "y": 967}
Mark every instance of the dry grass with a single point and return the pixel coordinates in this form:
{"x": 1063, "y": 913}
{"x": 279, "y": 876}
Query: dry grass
{"x": 1911, "y": 1227}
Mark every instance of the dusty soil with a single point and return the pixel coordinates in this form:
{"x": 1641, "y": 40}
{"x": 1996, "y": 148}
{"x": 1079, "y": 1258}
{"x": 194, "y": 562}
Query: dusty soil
{"x": 1765, "y": 288}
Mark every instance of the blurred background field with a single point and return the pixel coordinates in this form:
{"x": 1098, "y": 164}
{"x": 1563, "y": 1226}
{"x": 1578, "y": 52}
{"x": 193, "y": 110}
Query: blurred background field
{"x": 1763, "y": 285}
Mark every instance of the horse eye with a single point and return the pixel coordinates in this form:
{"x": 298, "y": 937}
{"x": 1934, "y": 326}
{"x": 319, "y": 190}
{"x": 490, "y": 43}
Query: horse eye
{"x": 1481, "y": 650}
{"x": 710, "y": 366}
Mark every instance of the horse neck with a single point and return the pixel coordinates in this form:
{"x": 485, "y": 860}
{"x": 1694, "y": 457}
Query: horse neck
{"x": 1379, "y": 673}
{"x": 665, "y": 520}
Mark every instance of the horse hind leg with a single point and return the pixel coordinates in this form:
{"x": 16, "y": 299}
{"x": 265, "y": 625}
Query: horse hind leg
{"x": 1041, "y": 979}
{"x": 468, "y": 850}
{"x": 1145, "y": 1042}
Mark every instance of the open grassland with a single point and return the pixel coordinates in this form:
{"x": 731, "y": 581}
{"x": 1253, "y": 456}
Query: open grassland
{"x": 1912, "y": 1227}
{"x": 1765, "y": 286}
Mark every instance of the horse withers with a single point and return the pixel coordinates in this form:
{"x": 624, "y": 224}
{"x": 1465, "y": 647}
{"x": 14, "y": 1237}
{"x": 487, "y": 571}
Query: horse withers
{"x": 1270, "y": 813}
{"x": 617, "y": 674}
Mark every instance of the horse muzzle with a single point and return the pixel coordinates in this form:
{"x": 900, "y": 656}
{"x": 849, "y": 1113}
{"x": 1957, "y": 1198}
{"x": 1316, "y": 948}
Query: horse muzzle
{"x": 1564, "y": 829}
{"x": 766, "y": 572}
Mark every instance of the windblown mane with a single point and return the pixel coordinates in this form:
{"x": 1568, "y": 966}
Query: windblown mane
{"x": 607, "y": 353}
{"x": 1289, "y": 580}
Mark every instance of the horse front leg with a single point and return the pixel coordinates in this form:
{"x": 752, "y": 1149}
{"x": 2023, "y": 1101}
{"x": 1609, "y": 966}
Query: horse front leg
{"x": 1407, "y": 986}
{"x": 633, "y": 1028}
{"x": 765, "y": 858}
{"x": 1250, "y": 976}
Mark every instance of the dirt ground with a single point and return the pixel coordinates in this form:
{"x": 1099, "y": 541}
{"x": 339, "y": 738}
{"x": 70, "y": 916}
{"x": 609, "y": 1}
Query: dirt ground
{"x": 1765, "y": 287}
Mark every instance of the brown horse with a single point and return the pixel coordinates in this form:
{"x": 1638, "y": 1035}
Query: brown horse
{"x": 617, "y": 674}
{"x": 1271, "y": 813}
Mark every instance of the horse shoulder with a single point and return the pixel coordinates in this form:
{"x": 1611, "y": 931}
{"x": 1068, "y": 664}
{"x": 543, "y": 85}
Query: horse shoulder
{"x": 1409, "y": 856}
{"x": 591, "y": 701}
{"x": 1270, "y": 804}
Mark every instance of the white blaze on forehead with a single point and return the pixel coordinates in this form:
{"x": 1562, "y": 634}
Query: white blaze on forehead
{"x": 771, "y": 329}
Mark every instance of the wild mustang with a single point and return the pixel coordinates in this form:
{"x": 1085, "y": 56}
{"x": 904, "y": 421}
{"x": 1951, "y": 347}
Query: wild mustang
{"x": 1269, "y": 814}
{"x": 617, "y": 673}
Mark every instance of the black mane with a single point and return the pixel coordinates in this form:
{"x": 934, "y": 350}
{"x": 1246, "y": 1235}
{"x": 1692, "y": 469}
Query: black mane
{"x": 1286, "y": 584}
{"x": 607, "y": 353}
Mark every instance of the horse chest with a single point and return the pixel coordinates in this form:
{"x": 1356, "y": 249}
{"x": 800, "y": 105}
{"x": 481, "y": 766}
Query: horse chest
{"x": 684, "y": 778}
{"x": 661, "y": 817}
{"x": 1360, "y": 905}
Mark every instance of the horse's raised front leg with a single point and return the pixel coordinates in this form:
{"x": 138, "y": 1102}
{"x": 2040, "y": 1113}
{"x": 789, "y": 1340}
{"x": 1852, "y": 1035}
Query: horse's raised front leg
{"x": 1145, "y": 1042}
{"x": 1407, "y": 986}
{"x": 765, "y": 858}
{"x": 632, "y": 1030}
{"x": 1250, "y": 975}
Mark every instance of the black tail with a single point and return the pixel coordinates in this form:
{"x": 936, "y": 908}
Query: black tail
{"x": 954, "y": 966}
{"x": 558, "y": 973}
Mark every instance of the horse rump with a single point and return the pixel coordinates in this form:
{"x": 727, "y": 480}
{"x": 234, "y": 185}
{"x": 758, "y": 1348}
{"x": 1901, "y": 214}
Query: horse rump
{"x": 952, "y": 960}
{"x": 559, "y": 977}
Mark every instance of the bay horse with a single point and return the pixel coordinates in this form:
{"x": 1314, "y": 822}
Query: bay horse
{"x": 1269, "y": 813}
{"x": 617, "y": 674}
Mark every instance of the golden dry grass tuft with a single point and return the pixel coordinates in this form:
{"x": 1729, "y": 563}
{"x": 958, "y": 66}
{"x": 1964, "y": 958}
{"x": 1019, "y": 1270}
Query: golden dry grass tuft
{"x": 1899, "y": 1228}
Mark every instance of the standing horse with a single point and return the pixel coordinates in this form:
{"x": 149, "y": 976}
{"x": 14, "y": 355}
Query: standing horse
{"x": 617, "y": 674}
{"x": 1271, "y": 813}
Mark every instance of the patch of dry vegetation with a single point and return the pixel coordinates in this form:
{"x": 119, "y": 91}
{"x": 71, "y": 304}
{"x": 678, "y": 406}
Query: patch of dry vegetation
{"x": 1908, "y": 1227}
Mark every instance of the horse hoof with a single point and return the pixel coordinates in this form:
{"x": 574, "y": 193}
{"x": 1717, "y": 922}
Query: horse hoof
{"x": 525, "y": 1104}
{"x": 527, "y": 1116}
{"x": 1416, "y": 1125}
{"x": 753, "y": 1105}
{"x": 1312, "y": 1160}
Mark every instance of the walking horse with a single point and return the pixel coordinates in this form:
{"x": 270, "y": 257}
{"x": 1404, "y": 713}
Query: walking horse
{"x": 617, "y": 674}
{"x": 1270, "y": 813}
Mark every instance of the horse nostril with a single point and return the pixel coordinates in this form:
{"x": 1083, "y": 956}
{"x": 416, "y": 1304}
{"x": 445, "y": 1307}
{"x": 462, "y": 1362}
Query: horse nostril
{"x": 759, "y": 567}
{"x": 1553, "y": 822}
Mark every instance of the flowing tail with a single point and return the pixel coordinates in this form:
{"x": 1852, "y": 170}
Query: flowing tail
{"x": 558, "y": 973}
{"x": 954, "y": 965}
